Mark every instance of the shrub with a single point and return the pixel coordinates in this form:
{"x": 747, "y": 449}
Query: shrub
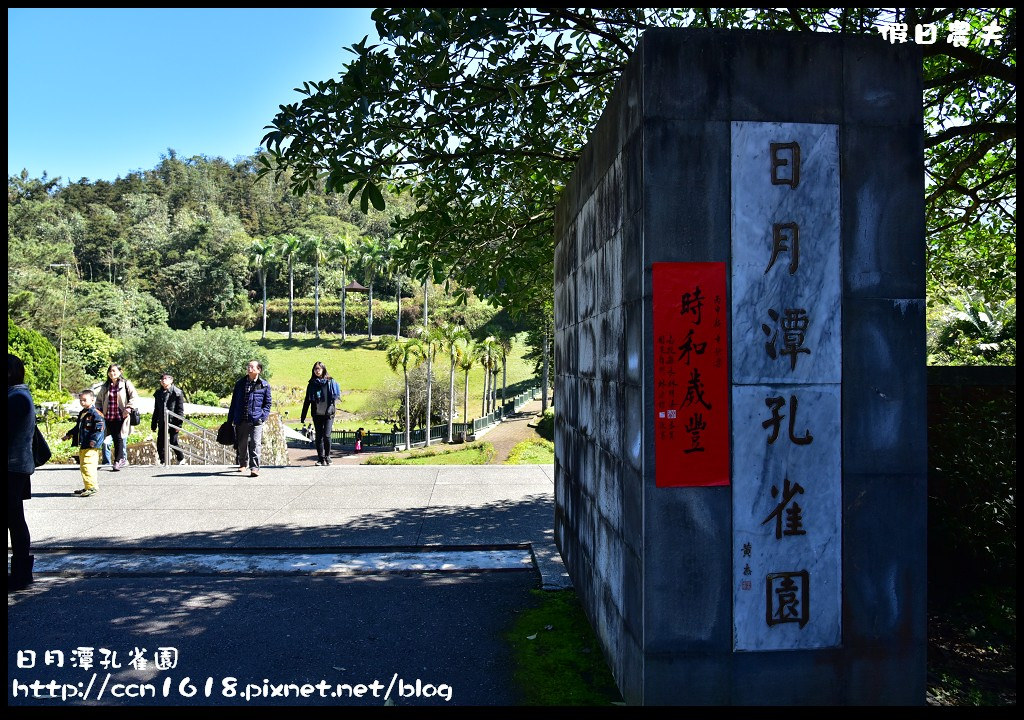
{"x": 972, "y": 461}
{"x": 205, "y": 397}
{"x": 199, "y": 359}
{"x": 39, "y": 356}
{"x": 546, "y": 425}
{"x": 92, "y": 350}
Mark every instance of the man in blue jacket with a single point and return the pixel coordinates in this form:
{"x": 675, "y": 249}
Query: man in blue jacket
{"x": 250, "y": 408}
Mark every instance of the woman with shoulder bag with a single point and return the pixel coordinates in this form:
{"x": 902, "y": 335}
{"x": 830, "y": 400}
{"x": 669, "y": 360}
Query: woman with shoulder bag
{"x": 322, "y": 394}
{"x": 116, "y": 400}
{"x": 21, "y": 427}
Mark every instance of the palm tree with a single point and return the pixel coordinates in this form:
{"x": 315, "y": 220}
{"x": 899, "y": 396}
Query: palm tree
{"x": 288, "y": 247}
{"x": 503, "y": 342}
{"x": 262, "y": 255}
{"x": 449, "y": 336}
{"x": 341, "y": 251}
{"x": 408, "y": 354}
{"x": 469, "y": 353}
{"x": 314, "y": 249}
{"x": 487, "y": 355}
{"x": 373, "y": 259}
{"x": 396, "y": 270}
{"x": 431, "y": 342}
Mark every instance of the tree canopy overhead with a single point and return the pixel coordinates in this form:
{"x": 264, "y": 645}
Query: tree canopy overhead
{"x": 482, "y": 113}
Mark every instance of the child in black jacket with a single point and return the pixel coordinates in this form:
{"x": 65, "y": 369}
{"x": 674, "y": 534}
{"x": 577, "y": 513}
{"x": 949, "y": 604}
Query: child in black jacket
{"x": 87, "y": 434}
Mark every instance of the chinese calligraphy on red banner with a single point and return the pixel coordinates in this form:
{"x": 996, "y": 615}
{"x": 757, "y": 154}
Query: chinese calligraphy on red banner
{"x": 691, "y": 375}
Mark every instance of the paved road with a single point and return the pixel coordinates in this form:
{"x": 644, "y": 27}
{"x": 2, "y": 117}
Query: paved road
{"x": 313, "y": 620}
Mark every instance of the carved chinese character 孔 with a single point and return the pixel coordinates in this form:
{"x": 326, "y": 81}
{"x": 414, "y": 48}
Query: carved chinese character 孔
{"x": 775, "y": 421}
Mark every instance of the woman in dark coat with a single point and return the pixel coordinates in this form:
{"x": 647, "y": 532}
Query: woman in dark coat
{"x": 322, "y": 394}
{"x": 21, "y": 427}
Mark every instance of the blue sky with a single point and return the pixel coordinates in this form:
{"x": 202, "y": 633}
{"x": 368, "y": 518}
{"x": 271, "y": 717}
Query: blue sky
{"x": 98, "y": 93}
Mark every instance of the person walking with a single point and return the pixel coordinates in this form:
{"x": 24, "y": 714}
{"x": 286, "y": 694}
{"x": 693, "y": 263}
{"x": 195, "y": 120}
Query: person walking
{"x": 360, "y": 434}
{"x": 21, "y": 428}
{"x": 168, "y": 397}
{"x": 87, "y": 434}
{"x": 116, "y": 399}
{"x": 250, "y": 408}
{"x": 322, "y": 393}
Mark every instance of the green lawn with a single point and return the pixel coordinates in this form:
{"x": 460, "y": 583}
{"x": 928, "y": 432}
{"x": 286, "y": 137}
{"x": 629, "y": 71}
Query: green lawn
{"x": 360, "y": 368}
{"x": 532, "y": 452}
{"x": 478, "y": 453}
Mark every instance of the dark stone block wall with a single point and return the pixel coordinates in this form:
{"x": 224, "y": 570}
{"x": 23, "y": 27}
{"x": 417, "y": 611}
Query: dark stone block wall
{"x": 652, "y": 566}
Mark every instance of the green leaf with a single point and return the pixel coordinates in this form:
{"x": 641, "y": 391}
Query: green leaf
{"x": 375, "y": 196}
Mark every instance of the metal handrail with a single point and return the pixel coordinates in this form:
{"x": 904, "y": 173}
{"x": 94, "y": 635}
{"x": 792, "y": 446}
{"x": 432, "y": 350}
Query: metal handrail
{"x": 210, "y": 451}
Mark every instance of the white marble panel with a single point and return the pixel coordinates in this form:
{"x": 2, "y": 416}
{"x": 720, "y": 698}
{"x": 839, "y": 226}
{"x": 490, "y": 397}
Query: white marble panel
{"x": 786, "y": 283}
{"x": 771, "y": 535}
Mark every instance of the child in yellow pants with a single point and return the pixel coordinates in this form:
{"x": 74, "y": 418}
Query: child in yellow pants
{"x": 88, "y": 435}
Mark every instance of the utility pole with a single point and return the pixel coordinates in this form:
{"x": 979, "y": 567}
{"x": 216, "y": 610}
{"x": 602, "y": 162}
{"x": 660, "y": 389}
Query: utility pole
{"x": 63, "y": 315}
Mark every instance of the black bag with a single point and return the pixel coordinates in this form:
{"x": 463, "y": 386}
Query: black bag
{"x": 40, "y": 449}
{"x": 136, "y": 417}
{"x": 226, "y": 434}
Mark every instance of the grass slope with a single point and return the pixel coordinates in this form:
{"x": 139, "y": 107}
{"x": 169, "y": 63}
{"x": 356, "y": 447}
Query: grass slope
{"x": 360, "y": 367}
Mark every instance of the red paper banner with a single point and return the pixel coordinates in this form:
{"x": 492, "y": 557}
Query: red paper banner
{"x": 691, "y": 375}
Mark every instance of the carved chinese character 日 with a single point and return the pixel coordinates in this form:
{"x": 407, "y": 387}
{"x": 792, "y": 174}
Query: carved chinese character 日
{"x": 785, "y": 155}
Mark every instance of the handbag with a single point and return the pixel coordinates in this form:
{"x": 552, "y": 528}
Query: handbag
{"x": 136, "y": 417}
{"x": 226, "y": 433}
{"x": 40, "y": 449}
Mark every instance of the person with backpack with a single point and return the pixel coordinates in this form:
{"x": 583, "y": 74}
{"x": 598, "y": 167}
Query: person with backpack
{"x": 322, "y": 393}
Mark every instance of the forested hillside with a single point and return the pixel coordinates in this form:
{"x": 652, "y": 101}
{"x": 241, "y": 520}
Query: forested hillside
{"x": 106, "y": 270}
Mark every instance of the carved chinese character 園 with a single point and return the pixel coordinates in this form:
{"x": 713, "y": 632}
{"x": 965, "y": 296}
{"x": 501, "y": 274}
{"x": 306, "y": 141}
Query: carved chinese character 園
{"x": 794, "y": 514}
{"x": 787, "y": 598}
{"x": 775, "y": 421}
{"x": 785, "y": 155}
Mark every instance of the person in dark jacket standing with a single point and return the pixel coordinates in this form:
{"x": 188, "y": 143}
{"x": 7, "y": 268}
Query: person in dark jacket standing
{"x": 250, "y": 408}
{"x": 21, "y": 427}
{"x": 322, "y": 394}
{"x": 168, "y": 397}
{"x": 87, "y": 434}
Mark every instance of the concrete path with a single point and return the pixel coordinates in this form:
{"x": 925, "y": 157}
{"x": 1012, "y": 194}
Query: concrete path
{"x": 338, "y": 508}
{"x": 340, "y": 585}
